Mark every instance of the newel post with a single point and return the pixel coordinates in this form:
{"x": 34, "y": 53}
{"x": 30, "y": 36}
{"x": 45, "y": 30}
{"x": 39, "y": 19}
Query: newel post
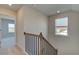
{"x": 24, "y": 33}
{"x": 39, "y": 45}
{"x": 41, "y": 34}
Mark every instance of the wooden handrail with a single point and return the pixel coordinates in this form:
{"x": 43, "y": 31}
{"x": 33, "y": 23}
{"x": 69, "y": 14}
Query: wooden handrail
{"x": 30, "y": 34}
{"x": 41, "y": 37}
{"x": 46, "y": 40}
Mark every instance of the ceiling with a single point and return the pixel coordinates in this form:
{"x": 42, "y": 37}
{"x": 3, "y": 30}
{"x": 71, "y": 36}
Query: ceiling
{"x": 50, "y": 9}
{"x": 47, "y": 9}
{"x": 13, "y": 7}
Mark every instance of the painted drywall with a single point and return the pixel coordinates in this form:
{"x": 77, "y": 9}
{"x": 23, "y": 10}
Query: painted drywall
{"x": 20, "y": 29}
{"x": 65, "y": 44}
{"x": 30, "y": 20}
{"x": 8, "y": 12}
{"x": 4, "y": 28}
{"x": 8, "y": 42}
{"x": 35, "y": 22}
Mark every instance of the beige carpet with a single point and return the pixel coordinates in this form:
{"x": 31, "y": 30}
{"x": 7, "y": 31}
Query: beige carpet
{"x": 11, "y": 51}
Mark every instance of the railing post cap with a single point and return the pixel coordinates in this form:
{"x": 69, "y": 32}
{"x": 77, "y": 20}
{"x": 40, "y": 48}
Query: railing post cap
{"x": 41, "y": 33}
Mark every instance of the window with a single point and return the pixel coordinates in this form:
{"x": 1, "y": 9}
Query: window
{"x": 61, "y": 26}
{"x": 11, "y": 27}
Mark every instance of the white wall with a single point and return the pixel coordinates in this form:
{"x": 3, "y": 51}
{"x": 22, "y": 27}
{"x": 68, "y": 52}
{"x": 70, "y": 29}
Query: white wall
{"x": 8, "y": 12}
{"x": 20, "y": 29}
{"x": 70, "y": 44}
{"x": 31, "y": 21}
{"x": 35, "y": 22}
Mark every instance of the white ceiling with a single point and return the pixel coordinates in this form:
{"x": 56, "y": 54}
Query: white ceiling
{"x": 47, "y": 9}
{"x": 13, "y": 7}
{"x": 50, "y": 9}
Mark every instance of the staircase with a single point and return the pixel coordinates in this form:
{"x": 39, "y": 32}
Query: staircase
{"x": 38, "y": 45}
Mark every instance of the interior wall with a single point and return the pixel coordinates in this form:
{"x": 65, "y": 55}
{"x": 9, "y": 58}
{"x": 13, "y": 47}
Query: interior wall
{"x": 6, "y": 33}
{"x": 20, "y": 28}
{"x": 11, "y": 41}
{"x": 65, "y": 44}
{"x": 35, "y": 22}
{"x": 8, "y": 12}
{"x": 31, "y": 21}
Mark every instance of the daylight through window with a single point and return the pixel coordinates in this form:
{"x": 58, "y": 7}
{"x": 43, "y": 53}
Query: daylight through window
{"x": 61, "y": 26}
{"x": 11, "y": 27}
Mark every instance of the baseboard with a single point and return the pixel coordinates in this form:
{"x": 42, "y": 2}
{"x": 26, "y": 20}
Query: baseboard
{"x": 22, "y": 49}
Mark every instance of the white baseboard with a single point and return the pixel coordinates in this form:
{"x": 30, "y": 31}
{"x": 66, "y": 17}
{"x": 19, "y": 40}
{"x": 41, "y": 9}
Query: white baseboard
{"x": 22, "y": 49}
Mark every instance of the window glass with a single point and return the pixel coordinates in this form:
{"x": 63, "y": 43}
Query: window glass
{"x": 61, "y": 26}
{"x": 11, "y": 27}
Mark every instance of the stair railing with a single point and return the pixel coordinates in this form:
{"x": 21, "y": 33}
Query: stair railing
{"x": 38, "y": 45}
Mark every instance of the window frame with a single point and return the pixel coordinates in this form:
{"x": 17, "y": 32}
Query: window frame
{"x": 9, "y": 28}
{"x": 67, "y": 26}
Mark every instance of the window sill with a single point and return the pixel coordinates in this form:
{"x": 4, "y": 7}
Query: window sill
{"x": 61, "y": 35}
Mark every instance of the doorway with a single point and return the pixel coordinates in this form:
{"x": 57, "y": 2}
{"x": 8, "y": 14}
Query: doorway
{"x": 7, "y": 31}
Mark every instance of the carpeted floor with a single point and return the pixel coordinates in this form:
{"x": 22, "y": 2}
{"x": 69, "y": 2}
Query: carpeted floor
{"x": 11, "y": 51}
